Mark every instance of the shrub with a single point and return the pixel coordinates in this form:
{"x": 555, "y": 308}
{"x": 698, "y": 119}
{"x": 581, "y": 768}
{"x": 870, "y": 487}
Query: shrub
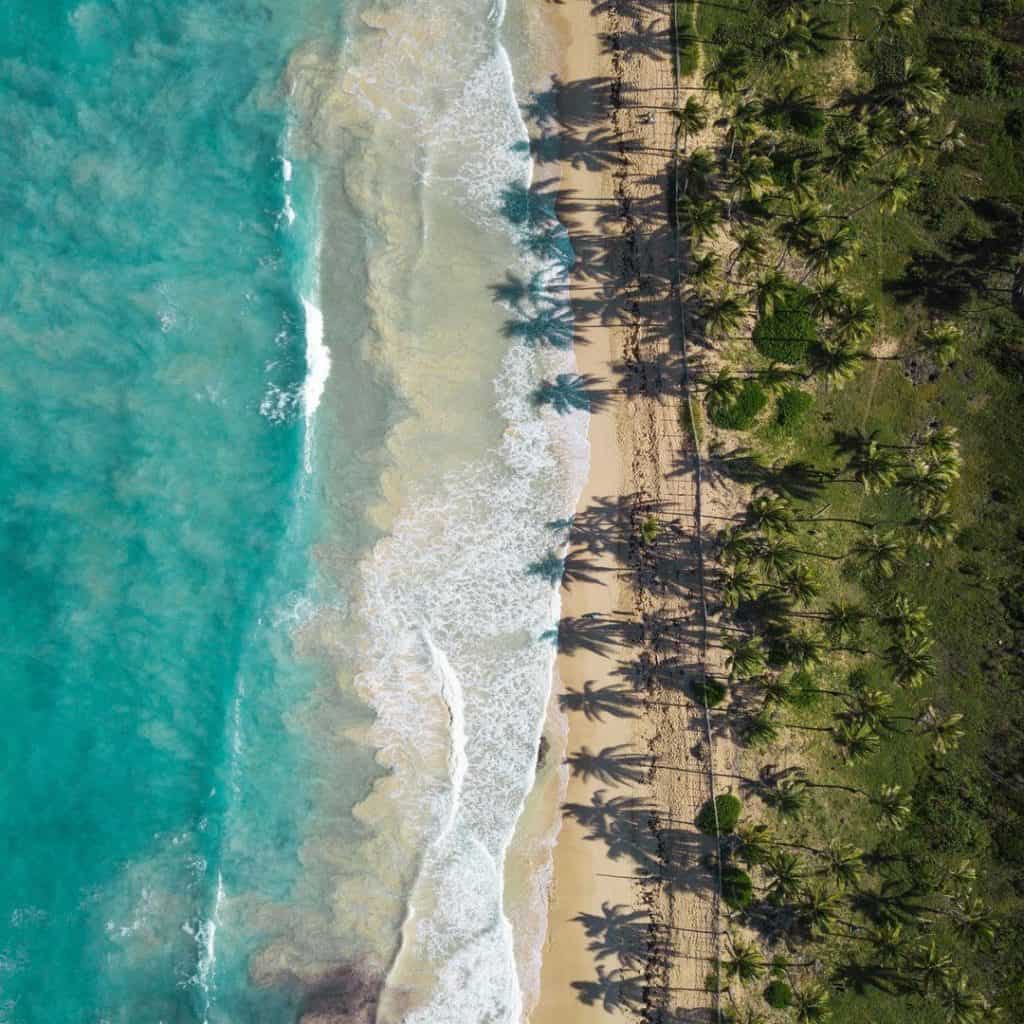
{"x": 791, "y": 409}
{"x": 966, "y": 62}
{"x": 740, "y": 413}
{"x": 1014, "y": 124}
{"x": 728, "y": 808}
{"x": 737, "y": 888}
{"x": 709, "y": 692}
{"x": 778, "y": 995}
{"x": 786, "y": 335}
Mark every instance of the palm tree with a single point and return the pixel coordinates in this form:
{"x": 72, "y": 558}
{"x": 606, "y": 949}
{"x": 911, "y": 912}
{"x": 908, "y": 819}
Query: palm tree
{"x": 702, "y": 270}
{"x": 910, "y": 661}
{"x": 788, "y": 797}
{"x": 755, "y": 844}
{"x": 940, "y": 342}
{"x": 724, "y": 315}
{"x": 874, "y": 467}
{"x": 828, "y": 299}
{"x": 722, "y": 387}
{"x": 887, "y": 942}
{"x": 800, "y": 228}
{"x": 856, "y": 739}
{"x": 911, "y": 136}
{"x": 700, "y": 165}
{"x": 973, "y": 921}
{"x": 775, "y": 557}
{"x": 895, "y": 189}
{"x": 835, "y": 363}
{"x": 894, "y": 16}
{"x": 738, "y": 586}
{"x": 800, "y": 584}
{"x": 745, "y": 122}
{"x": 800, "y": 649}
{"x": 692, "y": 117}
{"x": 818, "y": 910}
{"x": 760, "y": 730}
{"x": 699, "y": 218}
{"x": 746, "y": 656}
{"x": 879, "y": 553}
{"x": 935, "y": 525}
{"x": 810, "y": 1003}
{"x": 750, "y": 250}
{"x": 933, "y": 968}
{"x": 842, "y": 621}
{"x": 727, "y": 70}
{"x": 775, "y": 377}
{"x": 940, "y": 444}
{"x": 959, "y": 1004}
{"x": 743, "y": 960}
{"x": 787, "y": 44}
{"x": 843, "y": 863}
{"x": 751, "y": 176}
{"x": 736, "y": 546}
{"x": 833, "y": 253}
{"x": 851, "y": 153}
{"x": 870, "y": 706}
{"x": 854, "y": 321}
{"x": 894, "y": 807}
{"x": 951, "y": 140}
{"x": 919, "y": 89}
{"x": 786, "y": 874}
{"x": 905, "y": 619}
{"x": 924, "y": 482}
{"x": 943, "y": 729}
{"x": 802, "y": 186}
{"x": 771, "y": 514}
{"x": 770, "y": 290}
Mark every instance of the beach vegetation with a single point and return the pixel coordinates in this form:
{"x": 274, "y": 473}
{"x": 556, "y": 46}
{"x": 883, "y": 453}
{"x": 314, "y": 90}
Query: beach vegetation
{"x": 792, "y": 408}
{"x": 741, "y": 411}
{"x": 789, "y": 331}
{"x": 778, "y": 995}
{"x": 870, "y": 593}
{"x": 719, "y": 816}
{"x": 737, "y": 887}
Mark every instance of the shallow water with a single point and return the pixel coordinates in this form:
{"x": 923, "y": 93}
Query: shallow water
{"x": 275, "y": 668}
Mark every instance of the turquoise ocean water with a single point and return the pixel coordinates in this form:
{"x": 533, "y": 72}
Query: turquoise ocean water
{"x": 274, "y": 667}
{"x": 151, "y": 304}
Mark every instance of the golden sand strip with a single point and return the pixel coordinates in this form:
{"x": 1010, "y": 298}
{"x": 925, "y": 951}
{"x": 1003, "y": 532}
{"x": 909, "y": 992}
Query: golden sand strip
{"x": 634, "y": 911}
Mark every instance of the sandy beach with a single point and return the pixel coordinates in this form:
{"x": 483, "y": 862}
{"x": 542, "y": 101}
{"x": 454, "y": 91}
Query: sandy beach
{"x": 633, "y": 910}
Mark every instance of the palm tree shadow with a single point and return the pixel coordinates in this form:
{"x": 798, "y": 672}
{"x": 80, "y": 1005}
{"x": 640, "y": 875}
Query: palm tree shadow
{"x": 595, "y": 703}
{"x": 598, "y": 635}
{"x": 614, "y": 765}
{"x": 569, "y": 392}
{"x": 614, "y": 990}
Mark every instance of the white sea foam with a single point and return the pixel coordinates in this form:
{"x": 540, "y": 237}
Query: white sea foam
{"x": 458, "y": 556}
{"x": 318, "y": 369}
{"x": 206, "y": 943}
{"x": 452, "y": 659}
